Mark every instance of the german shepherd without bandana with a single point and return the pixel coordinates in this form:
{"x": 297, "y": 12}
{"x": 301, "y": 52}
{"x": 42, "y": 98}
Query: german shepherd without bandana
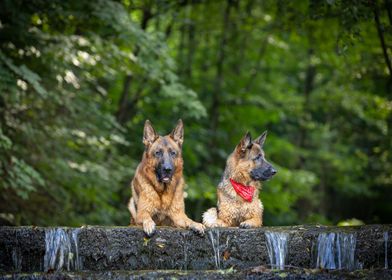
{"x": 158, "y": 184}
{"x": 238, "y": 191}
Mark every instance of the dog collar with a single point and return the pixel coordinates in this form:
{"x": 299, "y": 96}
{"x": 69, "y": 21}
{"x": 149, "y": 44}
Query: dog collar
{"x": 246, "y": 192}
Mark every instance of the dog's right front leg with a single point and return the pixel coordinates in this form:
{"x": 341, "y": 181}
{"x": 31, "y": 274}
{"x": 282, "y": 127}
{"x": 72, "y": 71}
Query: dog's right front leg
{"x": 144, "y": 219}
{"x": 220, "y": 223}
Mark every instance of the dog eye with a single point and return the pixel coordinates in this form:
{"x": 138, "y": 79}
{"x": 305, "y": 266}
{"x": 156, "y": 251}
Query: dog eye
{"x": 158, "y": 153}
{"x": 258, "y": 157}
{"x": 173, "y": 153}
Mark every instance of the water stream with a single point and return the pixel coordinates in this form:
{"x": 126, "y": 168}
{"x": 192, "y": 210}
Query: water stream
{"x": 62, "y": 250}
{"x": 213, "y": 235}
{"x": 185, "y": 251}
{"x": 16, "y": 258}
{"x": 277, "y": 248}
{"x": 336, "y": 251}
{"x": 386, "y": 250}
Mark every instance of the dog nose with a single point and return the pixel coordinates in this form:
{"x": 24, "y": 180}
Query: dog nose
{"x": 167, "y": 169}
{"x": 273, "y": 171}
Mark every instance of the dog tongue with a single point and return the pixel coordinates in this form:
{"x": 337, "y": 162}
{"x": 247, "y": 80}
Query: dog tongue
{"x": 246, "y": 192}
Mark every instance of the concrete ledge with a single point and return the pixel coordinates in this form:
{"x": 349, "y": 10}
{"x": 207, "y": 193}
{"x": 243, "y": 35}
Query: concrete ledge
{"x": 207, "y": 274}
{"x": 22, "y": 249}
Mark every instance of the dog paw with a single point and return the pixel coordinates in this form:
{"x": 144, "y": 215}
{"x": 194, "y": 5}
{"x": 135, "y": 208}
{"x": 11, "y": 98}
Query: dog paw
{"x": 245, "y": 225}
{"x": 149, "y": 227}
{"x": 214, "y": 225}
{"x": 198, "y": 228}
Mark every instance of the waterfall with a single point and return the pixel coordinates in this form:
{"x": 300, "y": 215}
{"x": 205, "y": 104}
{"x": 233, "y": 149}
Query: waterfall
{"x": 214, "y": 238}
{"x": 336, "y": 251}
{"x": 185, "y": 250}
{"x": 61, "y": 250}
{"x": 277, "y": 248}
{"x": 16, "y": 258}
{"x": 386, "y": 250}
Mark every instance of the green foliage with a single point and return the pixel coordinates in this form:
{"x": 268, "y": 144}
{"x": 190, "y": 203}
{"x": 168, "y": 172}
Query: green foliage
{"x": 350, "y": 222}
{"x": 62, "y": 159}
{"x": 79, "y": 78}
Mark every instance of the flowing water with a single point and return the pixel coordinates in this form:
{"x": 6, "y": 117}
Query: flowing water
{"x": 77, "y": 261}
{"x": 277, "y": 248}
{"x": 386, "y": 250}
{"x": 185, "y": 251}
{"x": 16, "y": 258}
{"x": 336, "y": 251}
{"x": 214, "y": 238}
{"x": 62, "y": 250}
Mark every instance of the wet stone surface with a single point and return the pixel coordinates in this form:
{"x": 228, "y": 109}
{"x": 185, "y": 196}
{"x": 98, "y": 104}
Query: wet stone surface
{"x": 207, "y": 274}
{"x": 22, "y": 249}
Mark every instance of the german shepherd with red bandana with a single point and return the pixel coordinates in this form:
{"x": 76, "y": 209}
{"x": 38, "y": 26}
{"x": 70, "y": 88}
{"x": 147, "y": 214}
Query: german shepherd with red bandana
{"x": 238, "y": 191}
{"x": 158, "y": 184}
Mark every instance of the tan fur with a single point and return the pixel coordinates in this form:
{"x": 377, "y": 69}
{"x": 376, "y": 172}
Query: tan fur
{"x": 155, "y": 203}
{"x": 232, "y": 210}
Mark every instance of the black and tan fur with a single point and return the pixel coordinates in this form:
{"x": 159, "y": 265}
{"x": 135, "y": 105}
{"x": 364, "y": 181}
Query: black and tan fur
{"x": 247, "y": 166}
{"x": 158, "y": 184}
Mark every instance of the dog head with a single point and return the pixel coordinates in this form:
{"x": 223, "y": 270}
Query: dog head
{"x": 164, "y": 152}
{"x": 249, "y": 159}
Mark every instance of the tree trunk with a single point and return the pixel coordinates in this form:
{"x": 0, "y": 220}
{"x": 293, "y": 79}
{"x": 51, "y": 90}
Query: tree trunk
{"x": 381, "y": 38}
{"x": 122, "y": 105}
{"x": 122, "y": 114}
{"x": 302, "y": 136}
{"x": 307, "y": 89}
{"x": 191, "y": 43}
{"x": 216, "y": 97}
{"x": 388, "y": 7}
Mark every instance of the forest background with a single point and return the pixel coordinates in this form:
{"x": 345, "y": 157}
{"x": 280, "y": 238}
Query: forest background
{"x": 79, "y": 78}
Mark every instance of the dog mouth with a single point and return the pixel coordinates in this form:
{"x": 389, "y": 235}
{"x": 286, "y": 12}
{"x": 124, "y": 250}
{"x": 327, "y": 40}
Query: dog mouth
{"x": 166, "y": 179}
{"x": 265, "y": 178}
{"x": 164, "y": 176}
{"x": 262, "y": 175}
{"x": 261, "y": 178}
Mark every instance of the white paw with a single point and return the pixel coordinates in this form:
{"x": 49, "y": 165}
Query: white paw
{"x": 210, "y": 217}
{"x": 149, "y": 227}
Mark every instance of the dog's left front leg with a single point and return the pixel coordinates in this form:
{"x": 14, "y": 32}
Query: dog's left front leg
{"x": 180, "y": 219}
{"x": 144, "y": 217}
{"x": 177, "y": 212}
{"x": 251, "y": 223}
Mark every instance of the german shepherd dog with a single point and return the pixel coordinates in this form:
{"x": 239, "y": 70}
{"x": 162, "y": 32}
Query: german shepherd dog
{"x": 158, "y": 184}
{"x": 238, "y": 190}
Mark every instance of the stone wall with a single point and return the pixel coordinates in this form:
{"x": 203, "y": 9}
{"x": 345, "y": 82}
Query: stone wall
{"x": 23, "y": 249}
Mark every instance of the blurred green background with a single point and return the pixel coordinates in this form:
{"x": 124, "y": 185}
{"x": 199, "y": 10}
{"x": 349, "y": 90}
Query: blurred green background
{"x": 79, "y": 78}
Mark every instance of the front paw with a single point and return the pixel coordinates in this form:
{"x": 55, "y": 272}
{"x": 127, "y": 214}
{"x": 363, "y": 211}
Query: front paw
{"x": 214, "y": 225}
{"x": 197, "y": 228}
{"x": 149, "y": 227}
{"x": 245, "y": 225}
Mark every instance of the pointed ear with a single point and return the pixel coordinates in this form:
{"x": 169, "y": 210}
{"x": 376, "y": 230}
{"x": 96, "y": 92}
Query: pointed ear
{"x": 178, "y": 133}
{"x": 261, "y": 139}
{"x": 149, "y": 134}
{"x": 245, "y": 143}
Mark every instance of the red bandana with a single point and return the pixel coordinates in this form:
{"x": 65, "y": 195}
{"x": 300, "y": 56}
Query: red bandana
{"x": 246, "y": 192}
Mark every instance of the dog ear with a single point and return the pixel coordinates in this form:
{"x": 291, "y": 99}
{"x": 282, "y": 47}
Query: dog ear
{"x": 245, "y": 143}
{"x": 178, "y": 133}
{"x": 261, "y": 139}
{"x": 149, "y": 134}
